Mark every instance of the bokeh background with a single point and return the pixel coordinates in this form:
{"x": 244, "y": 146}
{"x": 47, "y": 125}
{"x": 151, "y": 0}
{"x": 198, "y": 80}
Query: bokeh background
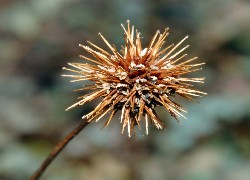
{"x": 39, "y": 37}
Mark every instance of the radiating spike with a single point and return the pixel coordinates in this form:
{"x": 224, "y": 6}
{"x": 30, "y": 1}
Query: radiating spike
{"x": 136, "y": 81}
{"x": 89, "y": 59}
{"x": 183, "y": 49}
{"x": 175, "y": 47}
{"x": 146, "y": 119}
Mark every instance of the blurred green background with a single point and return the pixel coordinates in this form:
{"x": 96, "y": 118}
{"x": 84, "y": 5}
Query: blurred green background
{"x": 38, "y": 37}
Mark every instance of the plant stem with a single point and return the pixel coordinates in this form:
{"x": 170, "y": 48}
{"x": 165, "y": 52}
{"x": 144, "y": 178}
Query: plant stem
{"x": 57, "y": 149}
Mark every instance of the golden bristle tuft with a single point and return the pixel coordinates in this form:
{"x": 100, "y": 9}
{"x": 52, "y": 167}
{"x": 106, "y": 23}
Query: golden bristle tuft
{"x": 137, "y": 80}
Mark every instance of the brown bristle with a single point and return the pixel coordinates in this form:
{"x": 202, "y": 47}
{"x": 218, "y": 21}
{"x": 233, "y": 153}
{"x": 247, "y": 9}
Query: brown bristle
{"x": 137, "y": 80}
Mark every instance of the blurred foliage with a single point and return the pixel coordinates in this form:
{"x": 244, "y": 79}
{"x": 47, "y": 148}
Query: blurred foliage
{"x": 37, "y": 38}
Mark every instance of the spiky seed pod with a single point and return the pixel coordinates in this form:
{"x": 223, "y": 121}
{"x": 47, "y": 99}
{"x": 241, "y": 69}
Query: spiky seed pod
{"x": 136, "y": 80}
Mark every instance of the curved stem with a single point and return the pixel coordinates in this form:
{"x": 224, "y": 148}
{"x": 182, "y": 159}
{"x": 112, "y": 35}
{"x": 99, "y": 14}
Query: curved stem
{"x": 57, "y": 149}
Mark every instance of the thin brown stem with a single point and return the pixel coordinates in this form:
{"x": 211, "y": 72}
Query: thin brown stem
{"x": 57, "y": 149}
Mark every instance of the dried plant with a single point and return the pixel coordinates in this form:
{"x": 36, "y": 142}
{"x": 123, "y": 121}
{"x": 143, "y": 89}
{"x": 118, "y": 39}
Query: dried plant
{"x": 134, "y": 81}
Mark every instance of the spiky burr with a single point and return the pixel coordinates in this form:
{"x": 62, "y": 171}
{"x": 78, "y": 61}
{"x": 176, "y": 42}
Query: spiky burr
{"x": 136, "y": 80}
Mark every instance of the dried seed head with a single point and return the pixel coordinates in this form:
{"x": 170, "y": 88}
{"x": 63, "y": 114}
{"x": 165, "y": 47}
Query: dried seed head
{"x": 136, "y": 80}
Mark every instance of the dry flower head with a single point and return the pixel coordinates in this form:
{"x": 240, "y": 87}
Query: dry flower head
{"x": 136, "y": 80}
